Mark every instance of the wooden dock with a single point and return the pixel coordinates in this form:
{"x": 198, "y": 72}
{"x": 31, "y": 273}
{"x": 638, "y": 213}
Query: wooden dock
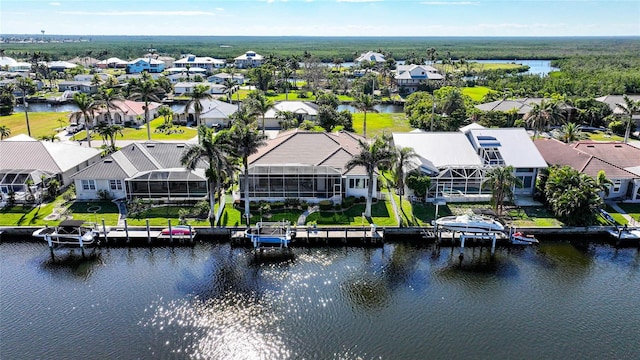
{"x": 305, "y": 236}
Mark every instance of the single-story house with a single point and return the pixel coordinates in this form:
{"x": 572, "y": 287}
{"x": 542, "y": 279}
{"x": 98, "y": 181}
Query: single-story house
{"x": 619, "y": 161}
{"x": 203, "y": 62}
{"x": 370, "y": 56}
{"x": 90, "y": 77}
{"x": 214, "y": 113}
{"x": 86, "y": 61}
{"x": 458, "y": 161}
{"x": 149, "y": 170}
{"x": 304, "y": 110}
{"x": 220, "y": 78}
{"x": 248, "y": 60}
{"x": 10, "y": 64}
{"x": 185, "y": 88}
{"x": 126, "y": 77}
{"x": 128, "y": 112}
{"x": 522, "y": 105}
{"x": 60, "y": 66}
{"x": 25, "y": 160}
{"x": 81, "y": 86}
{"x": 149, "y": 65}
{"x": 408, "y": 78}
{"x": 112, "y": 62}
{"x": 309, "y": 166}
{"x": 613, "y": 100}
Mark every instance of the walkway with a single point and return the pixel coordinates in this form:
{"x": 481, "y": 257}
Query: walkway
{"x": 303, "y": 218}
{"x": 630, "y": 220}
{"x": 122, "y": 209}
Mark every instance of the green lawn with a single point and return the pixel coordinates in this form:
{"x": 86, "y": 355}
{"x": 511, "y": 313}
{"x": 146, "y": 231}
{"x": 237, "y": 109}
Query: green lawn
{"x": 159, "y": 216}
{"x": 600, "y": 136}
{"x": 532, "y": 216}
{"x": 34, "y": 215}
{"x": 419, "y": 213}
{"x": 476, "y": 92}
{"x": 178, "y": 133}
{"x": 381, "y": 211}
{"x": 41, "y": 123}
{"x": 631, "y": 209}
{"x": 377, "y": 123}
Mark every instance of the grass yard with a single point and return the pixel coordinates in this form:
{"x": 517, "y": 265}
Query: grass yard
{"x": 34, "y": 215}
{"x": 601, "y": 136}
{"x": 419, "y": 213}
{"x": 95, "y": 212}
{"x": 381, "y": 215}
{"x": 631, "y": 209}
{"x": 180, "y": 133}
{"x": 19, "y": 215}
{"x": 377, "y": 123}
{"x": 532, "y": 216}
{"x": 41, "y": 123}
{"x": 159, "y": 216}
{"x": 476, "y": 93}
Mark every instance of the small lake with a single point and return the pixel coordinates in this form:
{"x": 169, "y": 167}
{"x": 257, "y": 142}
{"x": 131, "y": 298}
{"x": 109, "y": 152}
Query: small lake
{"x": 212, "y": 301}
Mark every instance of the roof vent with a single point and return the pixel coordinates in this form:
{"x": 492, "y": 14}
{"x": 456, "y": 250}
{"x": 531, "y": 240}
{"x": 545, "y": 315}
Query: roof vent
{"x": 590, "y": 146}
{"x": 151, "y": 145}
{"x": 108, "y": 161}
{"x": 180, "y": 146}
{"x": 617, "y": 145}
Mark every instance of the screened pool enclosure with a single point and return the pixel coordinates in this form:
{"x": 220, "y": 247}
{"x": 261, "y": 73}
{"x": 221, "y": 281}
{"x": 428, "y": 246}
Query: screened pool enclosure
{"x": 305, "y": 182}
{"x": 169, "y": 184}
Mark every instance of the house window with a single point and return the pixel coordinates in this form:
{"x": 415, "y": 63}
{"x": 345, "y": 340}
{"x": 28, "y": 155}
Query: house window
{"x": 616, "y": 185}
{"x": 115, "y": 184}
{"x": 88, "y": 185}
{"x": 358, "y": 183}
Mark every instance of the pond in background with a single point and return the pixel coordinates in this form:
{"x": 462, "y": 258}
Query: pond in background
{"x": 381, "y": 108}
{"x": 397, "y": 302}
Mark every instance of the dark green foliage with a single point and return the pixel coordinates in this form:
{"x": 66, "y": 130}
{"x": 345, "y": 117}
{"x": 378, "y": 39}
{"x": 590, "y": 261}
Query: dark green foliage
{"x": 325, "y": 205}
{"x": 573, "y": 197}
{"x": 418, "y": 182}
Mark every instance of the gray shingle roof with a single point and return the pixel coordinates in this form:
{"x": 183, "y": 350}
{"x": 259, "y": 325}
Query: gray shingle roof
{"x": 53, "y": 157}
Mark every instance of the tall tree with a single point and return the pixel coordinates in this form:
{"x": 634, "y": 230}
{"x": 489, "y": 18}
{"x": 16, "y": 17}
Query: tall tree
{"x": 371, "y": 156}
{"x": 404, "y": 157}
{"x": 108, "y": 97}
{"x": 542, "y": 115}
{"x": 246, "y": 140}
{"x": 259, "y": 104}
{"x": 167, "y": 115}
{"x": 109, "y": 132}
{"x": 502, "y": 181}
{"x": 212, "y": 150}
{"x": 87, "y": 107}
{"x": 146, "y": 90}
{"x": 196, "y": 96}
{"x": 7, "y": 99}
{"x": 365, "y": 103}
{"x": 629, "y": 108}
{"x": 573, "y": 197}
{"x": 26, "y": 86}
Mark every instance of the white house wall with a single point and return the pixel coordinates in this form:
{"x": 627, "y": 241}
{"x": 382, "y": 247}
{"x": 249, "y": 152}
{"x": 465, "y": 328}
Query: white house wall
{"x": 82, "y": 194}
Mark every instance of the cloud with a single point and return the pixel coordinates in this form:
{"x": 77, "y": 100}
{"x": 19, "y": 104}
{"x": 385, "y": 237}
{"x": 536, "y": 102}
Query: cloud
{"x": 137, "y": 13}
{"x": 358, "y": 1}
{"x": 450, "y": 3}
{"x": 55, "y": 4}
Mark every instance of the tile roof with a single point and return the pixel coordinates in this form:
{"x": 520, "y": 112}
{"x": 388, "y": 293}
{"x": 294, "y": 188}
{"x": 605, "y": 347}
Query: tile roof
{"x": 556, "y": 152}
{"x": 309, "y": 148}
{"x": 620, "y": 154}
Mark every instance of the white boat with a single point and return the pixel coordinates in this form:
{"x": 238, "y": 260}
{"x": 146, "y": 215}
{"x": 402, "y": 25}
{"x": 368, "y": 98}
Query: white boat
{"x": 518, "y": 238}
{"x": 624, "y": 234}
{"x": 469, "y": 224}
{"x": 69, "y": 233}
{"x": 270, "y": 234}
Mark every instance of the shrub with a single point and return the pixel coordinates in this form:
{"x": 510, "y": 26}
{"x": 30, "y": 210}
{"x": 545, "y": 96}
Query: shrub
{"x": 254, "y": 205}
{"x": 325, "y": 205}
{"x": 104, "y": 195}
{"x": 277, "y": 205}
{"x": 348, "y": 202}
{"x": 292, "y": 202}
{"x": 201, "y": 208}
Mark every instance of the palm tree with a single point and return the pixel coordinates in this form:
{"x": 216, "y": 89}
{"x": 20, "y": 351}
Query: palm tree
{"x": 365, "y": 103}
{"x": 146, "y": 90}
{"x": 5, "y": 132}
{"x": 107, "y": 97}
{"x": 167, "y": 114}
{"x": 200, "y": 92}
{"x": 25, "y": 85}
{"x": 371, "y": 156}
{"x": 212, "y": 149}
{"x": 86, "y": 109}
{"x": 109, "y": 132}
{"x": 603, "y": 182}
{"x": 629, "y": 108}
{"x": 259, "y": 105}
{"x": 570, "y": 132}
{"x": 246, "y": 140}
{"x": 51, "y": 137}
{"x": 502, "y": 181}
{"x": 403, "y": 159}
{"x": 542, "y": 115}
{"x": 229, "y": 85}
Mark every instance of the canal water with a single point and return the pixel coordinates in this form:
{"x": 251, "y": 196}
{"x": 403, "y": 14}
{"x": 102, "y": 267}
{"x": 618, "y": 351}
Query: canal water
{"x": 402, "y": 301}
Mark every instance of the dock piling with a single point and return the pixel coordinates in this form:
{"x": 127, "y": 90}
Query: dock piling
{"x": 104, "y": 231}
{"x": 170, "y": 232}
{"x": 126, "y": 230}
{"x": 148, "y": 232}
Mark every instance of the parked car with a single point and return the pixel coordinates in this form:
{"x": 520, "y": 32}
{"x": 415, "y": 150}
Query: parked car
{"x": 74, "y": 128}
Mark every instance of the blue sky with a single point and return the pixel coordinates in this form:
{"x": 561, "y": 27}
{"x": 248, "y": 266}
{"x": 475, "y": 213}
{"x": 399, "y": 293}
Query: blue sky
{"x": 323, "y": 17}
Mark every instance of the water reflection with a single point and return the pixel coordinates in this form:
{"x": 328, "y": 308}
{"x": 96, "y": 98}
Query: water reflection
{"x": 72, "y": 263}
